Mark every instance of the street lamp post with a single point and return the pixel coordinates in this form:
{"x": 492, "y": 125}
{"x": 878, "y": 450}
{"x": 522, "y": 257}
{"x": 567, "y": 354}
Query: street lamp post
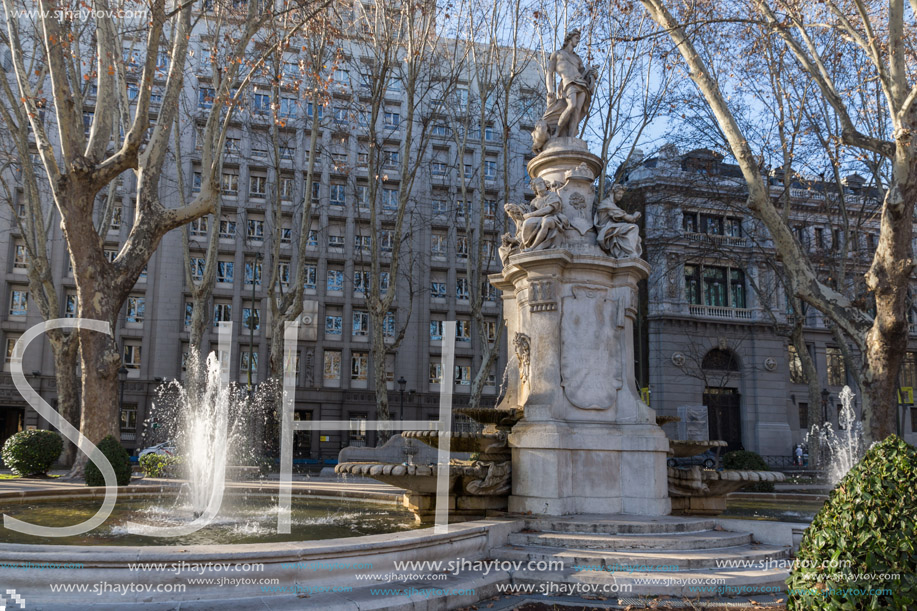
{"x": 401, "y": 384}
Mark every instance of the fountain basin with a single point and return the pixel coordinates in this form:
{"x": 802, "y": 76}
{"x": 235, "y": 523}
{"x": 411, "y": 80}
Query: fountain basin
{"x": 292, "y": 566}
{"x": 685, "y": 448}
{"x": 698, "y": 491}
{"x": 484, "y": 443}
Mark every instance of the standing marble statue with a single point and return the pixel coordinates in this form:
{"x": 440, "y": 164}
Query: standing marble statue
{"x": 617, "y": 233}
{"x": 568, "y": 103}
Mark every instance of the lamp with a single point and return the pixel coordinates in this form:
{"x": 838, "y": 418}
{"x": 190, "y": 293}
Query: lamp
{"x": 401, "y": 384}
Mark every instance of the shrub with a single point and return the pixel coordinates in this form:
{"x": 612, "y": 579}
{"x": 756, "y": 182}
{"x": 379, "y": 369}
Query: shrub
{"x": 157, "y": 465}
{"x": 748, "y": 461}
{"x": 32, "y": 452}
{"x": 867, "y": 527}
{"x": 118, "y": 458}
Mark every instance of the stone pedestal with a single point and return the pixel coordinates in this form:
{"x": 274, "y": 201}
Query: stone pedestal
{"x": 586, "y": 443}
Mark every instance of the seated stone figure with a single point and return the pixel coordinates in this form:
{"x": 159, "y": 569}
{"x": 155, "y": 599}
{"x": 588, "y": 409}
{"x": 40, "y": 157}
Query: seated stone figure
{"x": 617, "y": 233}
{"x": 540, "y": 226}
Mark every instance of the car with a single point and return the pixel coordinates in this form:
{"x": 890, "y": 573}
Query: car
{"x": 708, "y": 460}
{"x": 166, "y": 448}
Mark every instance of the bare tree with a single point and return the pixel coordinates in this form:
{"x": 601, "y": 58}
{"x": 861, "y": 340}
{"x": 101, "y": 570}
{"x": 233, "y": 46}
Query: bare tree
{"x": 878, "y": 45}
{"x": 119, "y": 139}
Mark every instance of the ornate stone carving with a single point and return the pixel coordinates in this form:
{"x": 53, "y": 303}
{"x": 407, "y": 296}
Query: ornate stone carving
{"x": 678, "y": 359}
{"x": 522, "y": 346}
{"x": 542, "y": 297}
{"x": 617, "y": 233}
{"x": 770, "y": 363}
{"x": 567, "y": 103}
{"x": 591, "y": 375}
{"x": 496, "y": 478}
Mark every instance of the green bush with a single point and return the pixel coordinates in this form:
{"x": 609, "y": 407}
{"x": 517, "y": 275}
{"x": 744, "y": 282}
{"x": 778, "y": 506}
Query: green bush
{"x": 32, "y": 452}
{"x": 118, "y": 458}
{"x": 748, "y": 461}
{"x": 867, "y": 527}
{"x": 157, "y": 465}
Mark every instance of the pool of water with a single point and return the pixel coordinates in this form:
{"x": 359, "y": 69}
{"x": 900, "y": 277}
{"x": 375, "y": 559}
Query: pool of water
{"x": 251, "y": 519}
{"x": 776, "y": 510}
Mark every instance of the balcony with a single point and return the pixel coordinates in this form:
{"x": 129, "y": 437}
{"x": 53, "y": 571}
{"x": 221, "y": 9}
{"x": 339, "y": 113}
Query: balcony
{"x": 716, "y": 240}
{"x": 718, "y": 312}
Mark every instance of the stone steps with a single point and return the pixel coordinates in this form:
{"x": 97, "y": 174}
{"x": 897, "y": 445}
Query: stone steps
{"x": 606, "y": 560}
{"x": 620, "y": 524}
{"x": 633, "y": 556}
{"x": 670, "y": 541}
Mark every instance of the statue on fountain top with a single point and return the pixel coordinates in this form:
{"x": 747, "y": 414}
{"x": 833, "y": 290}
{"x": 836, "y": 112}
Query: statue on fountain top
{"x": 568, "y": 104}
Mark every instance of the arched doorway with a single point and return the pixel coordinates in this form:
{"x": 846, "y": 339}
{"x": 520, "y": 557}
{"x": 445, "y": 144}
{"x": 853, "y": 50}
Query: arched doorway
{"x": 724, "y": 419}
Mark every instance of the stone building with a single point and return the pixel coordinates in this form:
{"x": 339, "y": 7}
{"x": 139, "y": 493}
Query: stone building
{"x": 715, "y": 329}
{"x": 334, "y": 378}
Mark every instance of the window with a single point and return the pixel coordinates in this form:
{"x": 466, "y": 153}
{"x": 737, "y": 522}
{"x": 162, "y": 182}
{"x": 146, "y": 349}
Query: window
{"x": 19, "y": 303}
{"x": 337, "y": 195}
{"x": 438, "y": 168}
{"x": 438, "y": 246}
{"x": 490, "y": 209}
{"x": 230, "y": 184}
{"x": 462, "y": 375}
{"x": 490, "y": 135}
{"x": 20, "y": 257}
{"x": 205, "y": 97}
{"x": 362, "y": 160}
{"x": 232, "y": 146}
{"x": 196, "y": 182}
{"x": 286, "y": 189}
{"x": 362, "y": 196}
{"x": 312, "y": 240}
{"x": 10, "y": 346}
{"x": 490, "y": 169}
{"x": 689, "y": 222}
{"x": 224, "y": 272}
{"x": 331, "y": 370}
{"x": 436, "y": 373}
{"x": 129, "y": 417}
{"x": 309, "y": 111}
{"x": 392, "y": 119}
{"x": 692, "y": 284}
{"x": 135, "y": 309}
{"x": 436, "y": 330}
{"x": 198, "y": 227}
{"x": 110, "y": 255}
{"x": 340, "y": 115}
{"x": 383, "y": 281}
{"x": 359, "y": 366}
{"x": 222, "y": 312}
{"x": 253, "y": 271}
{"x": 461, "y": 98}
{"x": 358, "y": 429}
{"x": 469, "y": 171}
{"x": 197, "y": 268}
{"x": 334, "y": 324}
{"x": 132, "y": 356}
{"x": 391, "y": 158}
{"x": 287, "y": 107}
{"x": 438, "y": 290}
{"x": 819, "y": 238}
{"x": 248, "y": 362}
{"x": 490, "y": 330}
{"x": 441, "y": 129}
{"x": 316, "y": 192}
{"x": 70, "y": 305}
{"x": 257, "y": 186}
{"x": 804, "y": 416}
{"x": 336, "y": 241}
{"x": 311, "y": 275}
{"x": 189, "y": 313}
{"x": 287, "y": 153}
{"x": 362, "y": 243}
{"x": 715, "y": 286}
{"x": 227, "y": 229}
{"x": 440, "y": 206}
{"x": 115, "y": 224}
{"x": 132, "y": 91}
{"x": 461, "y": 247}
{"x": 388, "y": 325}
{"x": 463, "y": 331}
{"x": 737, "y": 288}
{"x": 797, "y": 373}
{"x": 360, "y": 324}
{"x": 711, "y": 224}
{"x": 386, "y": 240}
{"x": 488, "y": 291}
{"x": 261, "y": 103}
{"x": 837, "y": 371}
{"x": 389, "y": 199}
{"x": 461, "y": 288}
{"x": 360, "y": 281}
{"x": 251, "y": 317}
{"x": 335, "y": 280}
{"x": 733, "y": 227}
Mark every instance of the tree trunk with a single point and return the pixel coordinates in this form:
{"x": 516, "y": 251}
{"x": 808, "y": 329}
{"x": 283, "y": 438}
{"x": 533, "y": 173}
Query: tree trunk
{"x": 68, "y": 390}
{"x": 379, "y": 352}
